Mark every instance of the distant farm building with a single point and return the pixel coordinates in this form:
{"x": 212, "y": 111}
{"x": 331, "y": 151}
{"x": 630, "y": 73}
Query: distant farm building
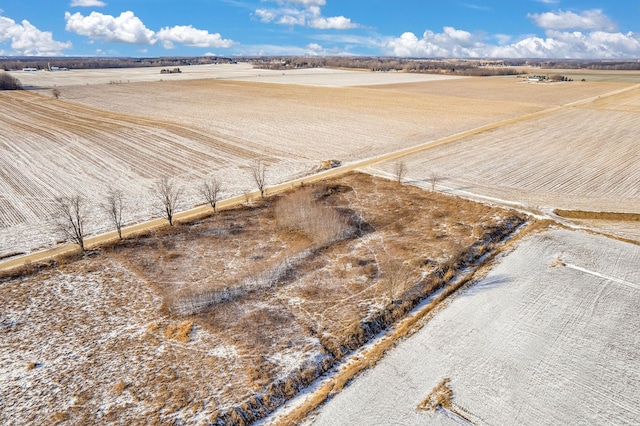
{"x": 168, "y": 71}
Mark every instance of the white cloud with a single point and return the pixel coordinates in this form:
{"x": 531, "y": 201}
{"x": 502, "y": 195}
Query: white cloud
{"x": 314, "y": 49}
{"x": 557, "y": 44}
{"x": 266, "y": 16}
{"x": 28, "y": 40}
{"x": 303, "y": 13}
{"x": 450, "y": 43}
{"x": 593, "y": 20}
{"x": 126, "y": 28}
{"x": 305, "y": 3}
{"x": 190, "y": 36}
{"x": 87, "y": 3}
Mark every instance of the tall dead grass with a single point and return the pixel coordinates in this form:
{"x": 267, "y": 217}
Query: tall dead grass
{"x": 300, "y": 211}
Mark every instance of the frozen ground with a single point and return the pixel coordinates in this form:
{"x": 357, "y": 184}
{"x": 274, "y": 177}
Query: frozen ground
{"x": 532, "y": 343}
{"x": 241, "y": 71}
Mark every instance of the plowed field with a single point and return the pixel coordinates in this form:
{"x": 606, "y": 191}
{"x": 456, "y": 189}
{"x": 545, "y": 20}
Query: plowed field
{"x": 586, "y": 157}
{"x": 131, "y": 134}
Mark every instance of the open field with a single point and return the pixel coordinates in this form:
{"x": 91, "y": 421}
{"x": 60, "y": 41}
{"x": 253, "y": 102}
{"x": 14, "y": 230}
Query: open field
{"x": 180, "y": 306}
{"x": 581, "y": 158}
{"x": 548, "y": 337}
{"x": 129, "y": 135}
{"x": 105, "y": 339}
{"x": 238, "y": 72}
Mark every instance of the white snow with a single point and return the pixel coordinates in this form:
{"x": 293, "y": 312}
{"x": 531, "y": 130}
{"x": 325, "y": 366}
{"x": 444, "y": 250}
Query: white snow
{"x": 528, "y": 344}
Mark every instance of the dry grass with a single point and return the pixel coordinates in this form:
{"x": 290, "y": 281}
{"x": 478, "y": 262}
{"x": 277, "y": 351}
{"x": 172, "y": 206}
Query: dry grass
{"x": 180, "y": 332}
{"x": 588, "y": 215}
{"x": 245, "y": 356}
{"x": 440, "y": 396}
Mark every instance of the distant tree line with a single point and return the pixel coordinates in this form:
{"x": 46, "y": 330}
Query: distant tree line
{"x": 591, "y": 64}
{"x": 18, "y": 63}
{"x": 387, "y": 64}
{"x": 475, "y": 67}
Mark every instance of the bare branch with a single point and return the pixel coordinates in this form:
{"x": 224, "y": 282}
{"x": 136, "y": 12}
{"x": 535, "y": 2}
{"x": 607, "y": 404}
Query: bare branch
{"x": 395, "y": 279}
{"x": 114, "y": 207}
{"x": 400, "y": 169}
{"x": 434, "y": 178}
{"x": 68, "y": 219}
{"x": 210, "y": 191}
{"x": 259, "y": 175}
{"x": 167, "y": 194}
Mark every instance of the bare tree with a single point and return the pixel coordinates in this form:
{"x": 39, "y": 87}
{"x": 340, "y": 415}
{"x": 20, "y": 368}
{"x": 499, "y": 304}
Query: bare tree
{"x": 68, "y": 218}
{"x": 400, "y": 169}
{"x": 433, "y": 179}
{"x": 210, "y": 191}
{"x": 113, "y": 206}
{"x": 396, "y": 275}
{"x": 55, "y": 92}
{"x": 168, "y": 196}
{"x": 259, "y": 175}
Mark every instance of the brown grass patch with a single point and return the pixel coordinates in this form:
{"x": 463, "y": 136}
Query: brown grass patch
{"x": 295, "y": 316}
{"x": 587, "y": 215}
{"x": 440, "y": 396}
{"x": 180, "y": 332}
{"x": 119, "y": 388}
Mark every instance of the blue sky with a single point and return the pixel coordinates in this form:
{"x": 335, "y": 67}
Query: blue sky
{"x": 409, "y": 28}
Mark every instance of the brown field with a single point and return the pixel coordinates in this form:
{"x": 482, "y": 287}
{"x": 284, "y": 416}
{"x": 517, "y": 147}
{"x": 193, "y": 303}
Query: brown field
{"x": 128, "y": 135}
{"x": 98, "y": 339}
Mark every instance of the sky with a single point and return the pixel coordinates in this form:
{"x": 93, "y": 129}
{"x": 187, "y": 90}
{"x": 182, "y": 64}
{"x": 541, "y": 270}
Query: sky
{"x": 585, "y": 29}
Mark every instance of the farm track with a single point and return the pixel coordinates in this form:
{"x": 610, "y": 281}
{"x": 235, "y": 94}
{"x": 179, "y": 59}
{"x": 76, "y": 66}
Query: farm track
{"x": 60, "y": 112}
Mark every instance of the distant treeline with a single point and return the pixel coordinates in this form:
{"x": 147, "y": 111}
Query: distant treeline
{"x": 15, "y": 63}
{"x": 590, "y": 64}
{"x": 432, "y": 66}
{"x": 474, "y": 67}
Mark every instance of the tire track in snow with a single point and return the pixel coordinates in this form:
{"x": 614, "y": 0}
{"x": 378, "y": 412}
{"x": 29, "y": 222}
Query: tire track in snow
{"x": 604, "y": 276}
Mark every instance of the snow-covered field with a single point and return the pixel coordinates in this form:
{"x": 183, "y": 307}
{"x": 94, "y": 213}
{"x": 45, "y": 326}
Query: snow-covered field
{"x": 241, "y": 72}
{"x": 586, "y": 157}
{"x": 129, "y": 135}
{"x": 549, "y": 337}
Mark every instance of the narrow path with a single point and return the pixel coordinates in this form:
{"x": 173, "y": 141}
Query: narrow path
{"x": 199, "y": 212}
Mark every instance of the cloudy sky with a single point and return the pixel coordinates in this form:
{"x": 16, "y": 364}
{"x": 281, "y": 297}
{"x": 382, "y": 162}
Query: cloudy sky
{"x": 411, "y": 28}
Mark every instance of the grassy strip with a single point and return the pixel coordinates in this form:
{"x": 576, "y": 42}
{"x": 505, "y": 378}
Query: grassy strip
{"x": 374, "y": 354}
{"x": 587, "y": 215}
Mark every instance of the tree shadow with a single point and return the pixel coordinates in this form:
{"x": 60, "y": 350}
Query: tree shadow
{"x": 487, "y": 283}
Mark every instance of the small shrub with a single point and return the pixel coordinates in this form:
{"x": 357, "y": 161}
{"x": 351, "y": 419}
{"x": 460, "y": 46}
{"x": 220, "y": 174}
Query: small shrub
{"x": 179, "y": 332}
